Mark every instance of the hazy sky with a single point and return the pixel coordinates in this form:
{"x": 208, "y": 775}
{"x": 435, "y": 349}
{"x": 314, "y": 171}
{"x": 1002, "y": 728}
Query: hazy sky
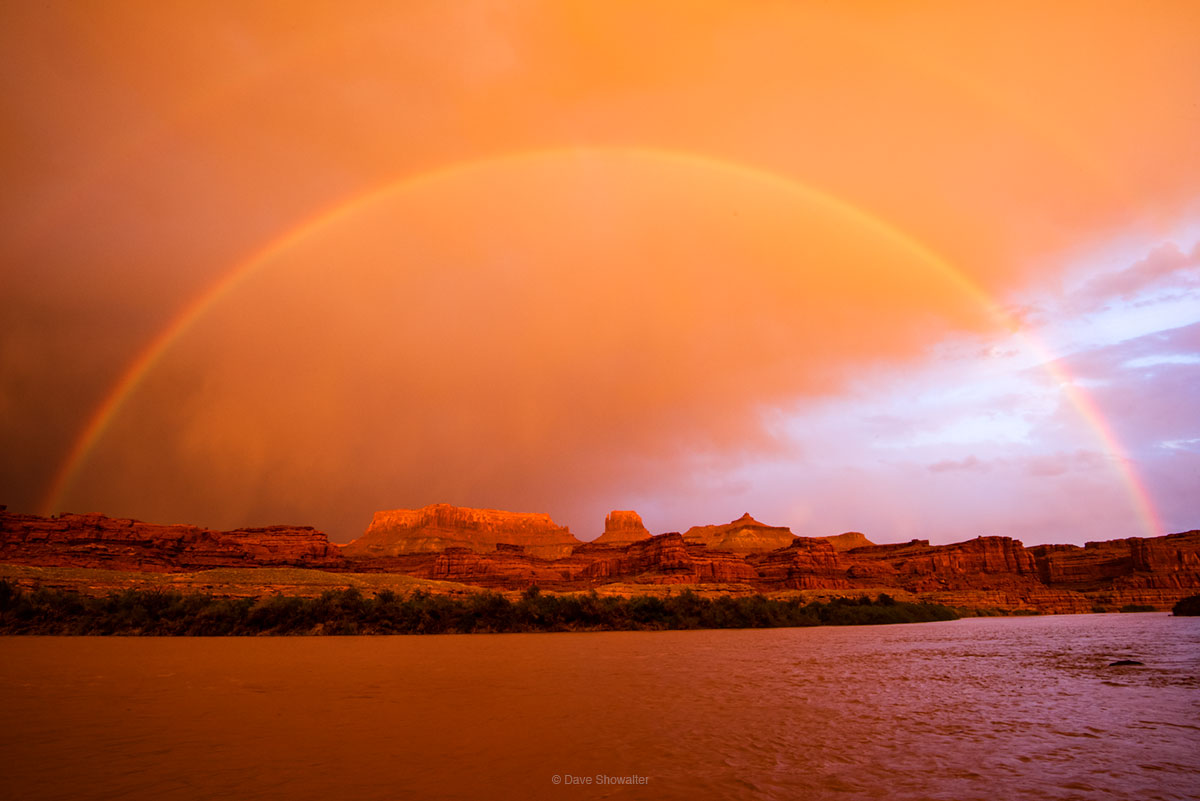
{"x": 914, "y": 269}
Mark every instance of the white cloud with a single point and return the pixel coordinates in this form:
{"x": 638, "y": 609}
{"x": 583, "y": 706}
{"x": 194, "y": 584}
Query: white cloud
{"x": 1161, "y": 358}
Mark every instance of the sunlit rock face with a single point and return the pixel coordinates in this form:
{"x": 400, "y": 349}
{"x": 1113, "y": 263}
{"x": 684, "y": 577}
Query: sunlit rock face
{"x": 744, "y": 535}
{"x": 622, "y": 528}
{"x": 806, "y": 563}
{"x": 668, "y": 559}
{"x": 97, "y": 541}
{"x": 442, "y": 526}
{"x": 848, "y": 541}
{"x": 504, "y": 567}
{"x": 507, "y": 550}
{"x": 981, "y": 563}
{"x": 1128, "y": 571}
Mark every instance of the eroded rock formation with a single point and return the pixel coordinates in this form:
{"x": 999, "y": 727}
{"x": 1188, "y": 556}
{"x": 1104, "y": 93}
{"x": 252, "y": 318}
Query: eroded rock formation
{"x": 622, "y": 528}
{"x": 1153, "y": 571}
{"x": 505, "y": 550}
{"x": 93, "y": 540}
{"x": 667, "y": 559}
{"x": 848, "y": 541}
{"x": 744, "y": 535}
{"x": 807, "y": 563}
{"x": 983, "y": 563}
{"x": 442, "y": 526}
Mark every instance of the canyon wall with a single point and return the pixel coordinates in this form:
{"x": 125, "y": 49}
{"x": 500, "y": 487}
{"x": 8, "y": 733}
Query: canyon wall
{"x": 505, "y": 550}
{"x": 1154, "y": 571}
{"x": 442, "y": 526}
{"x": 93, "y": 540}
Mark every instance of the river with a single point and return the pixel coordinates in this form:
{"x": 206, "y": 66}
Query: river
{"x": 991, "y": 708}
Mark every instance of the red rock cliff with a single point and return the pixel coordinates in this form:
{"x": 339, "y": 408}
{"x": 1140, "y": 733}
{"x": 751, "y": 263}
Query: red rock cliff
{"x": 442, "y": 526}
{"x": 502, "y": 549}
{"x": 981, "y": 563}
{"x": 744, "y": 535}
{"x": 1157, "y": 571}
{"x": 807, "y": 563}
{"x": 95, "y": 540}
{"x": 668, "y": 559}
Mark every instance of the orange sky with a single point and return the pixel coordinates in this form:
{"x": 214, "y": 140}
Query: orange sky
{"x": 587, "y": 253}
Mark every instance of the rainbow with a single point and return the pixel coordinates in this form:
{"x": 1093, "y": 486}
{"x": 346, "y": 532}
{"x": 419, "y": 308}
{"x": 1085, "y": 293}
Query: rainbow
{"x": 154, "y": 351}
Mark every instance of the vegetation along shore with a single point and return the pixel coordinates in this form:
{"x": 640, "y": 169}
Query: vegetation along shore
{"x": 171, "y": 613}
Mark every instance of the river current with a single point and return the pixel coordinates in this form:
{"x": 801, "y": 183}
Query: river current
{"x": 991, "y": 708}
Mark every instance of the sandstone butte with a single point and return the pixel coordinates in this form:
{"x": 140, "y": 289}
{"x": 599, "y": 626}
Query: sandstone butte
{"x": 622, "y": 528}
{"x": 442, "y": 526}
{"x": 508, "y": 551}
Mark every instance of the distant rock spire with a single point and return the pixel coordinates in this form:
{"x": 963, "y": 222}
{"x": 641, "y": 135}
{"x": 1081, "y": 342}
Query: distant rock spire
{"x": 621, "y": 527}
